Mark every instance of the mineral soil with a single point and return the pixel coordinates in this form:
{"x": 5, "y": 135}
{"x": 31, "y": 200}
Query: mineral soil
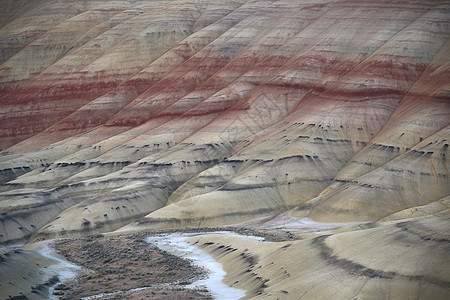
{"x": 124, "y": 263}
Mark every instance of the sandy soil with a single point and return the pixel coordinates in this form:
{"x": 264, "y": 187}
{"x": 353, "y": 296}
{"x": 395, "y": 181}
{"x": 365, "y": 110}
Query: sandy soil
{"x": 127, "y": 267}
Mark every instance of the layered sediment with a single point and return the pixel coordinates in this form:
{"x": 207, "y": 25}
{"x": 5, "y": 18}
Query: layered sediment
{"x": 148, "y": 116}
{"x": 216, "y": 113}
{"x": 385, "y": 261}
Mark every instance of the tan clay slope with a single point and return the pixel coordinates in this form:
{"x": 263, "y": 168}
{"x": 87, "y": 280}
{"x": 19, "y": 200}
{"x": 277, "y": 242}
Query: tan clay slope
{"x": 302, "y": 157}
{"x": 71, "y": 165}
{"x": 174, "y": 114}
{"x": 416, "y": 178}
{"x": 413, "y": 180}
{"x": 407, "y": 260}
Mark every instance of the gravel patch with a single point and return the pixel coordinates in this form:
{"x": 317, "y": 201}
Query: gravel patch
{"x": 127, "y": 267}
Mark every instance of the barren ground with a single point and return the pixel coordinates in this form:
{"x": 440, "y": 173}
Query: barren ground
{"x": 124, "y": 263}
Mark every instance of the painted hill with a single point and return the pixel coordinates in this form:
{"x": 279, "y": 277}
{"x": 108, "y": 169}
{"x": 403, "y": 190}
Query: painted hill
{"x": 196, "y": 113}
{"x": 154, "y": 115}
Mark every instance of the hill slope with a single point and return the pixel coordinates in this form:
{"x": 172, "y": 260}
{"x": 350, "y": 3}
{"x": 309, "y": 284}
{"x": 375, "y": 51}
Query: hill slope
{"x": 196, "y": 113}
{"x": 271, "y": 115}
